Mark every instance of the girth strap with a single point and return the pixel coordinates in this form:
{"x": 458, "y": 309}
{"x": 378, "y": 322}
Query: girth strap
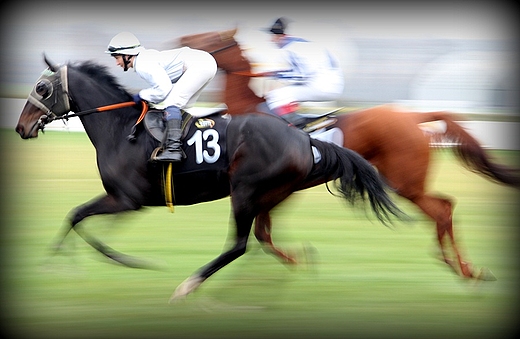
{"x": 168, "y": 188}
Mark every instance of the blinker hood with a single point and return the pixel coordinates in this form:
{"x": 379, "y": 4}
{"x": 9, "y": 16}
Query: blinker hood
{"x": 50, "y": 94}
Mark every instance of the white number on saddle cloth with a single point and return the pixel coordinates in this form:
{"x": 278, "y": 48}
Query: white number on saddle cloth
{"x": 202, "y": 145}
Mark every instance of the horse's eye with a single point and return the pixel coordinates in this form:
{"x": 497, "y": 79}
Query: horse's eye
{"x": 44, "y": 89}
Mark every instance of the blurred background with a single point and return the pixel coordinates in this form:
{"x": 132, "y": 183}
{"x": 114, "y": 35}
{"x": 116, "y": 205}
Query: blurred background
{"x": 455, "y": 55}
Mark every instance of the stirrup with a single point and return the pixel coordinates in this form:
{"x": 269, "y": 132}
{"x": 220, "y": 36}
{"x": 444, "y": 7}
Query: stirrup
{"x": 154, "y": 154}
{"x": 159, "y": 151}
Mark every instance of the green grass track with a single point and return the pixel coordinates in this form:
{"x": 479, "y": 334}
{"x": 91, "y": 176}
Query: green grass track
{"x": 357, "y": 278}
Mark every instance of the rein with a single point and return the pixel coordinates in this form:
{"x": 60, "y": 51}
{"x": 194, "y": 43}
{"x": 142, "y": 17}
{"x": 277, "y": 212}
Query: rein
{"x": 47, "y": 118}
{"x": 234, "y": 43}
{"x": 97, "y": 110}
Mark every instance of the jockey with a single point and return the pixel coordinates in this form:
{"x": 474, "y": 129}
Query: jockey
{"x": 315, "y": 74}
{"x": 176, "y": 76}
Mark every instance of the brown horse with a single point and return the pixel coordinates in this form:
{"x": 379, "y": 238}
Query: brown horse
{"x": 390, "y": 139}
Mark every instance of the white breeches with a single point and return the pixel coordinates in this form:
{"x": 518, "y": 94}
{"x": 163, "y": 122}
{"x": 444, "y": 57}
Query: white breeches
{"x": 324, "y": 88}
{"x": 200, "y": 69}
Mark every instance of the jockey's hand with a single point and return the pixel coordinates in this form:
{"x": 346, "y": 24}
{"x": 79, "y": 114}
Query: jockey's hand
{"x": 137, "y": 98}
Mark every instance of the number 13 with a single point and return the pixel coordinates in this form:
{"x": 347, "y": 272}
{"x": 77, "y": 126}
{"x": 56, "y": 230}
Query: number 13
{"x": 203, "y": 155}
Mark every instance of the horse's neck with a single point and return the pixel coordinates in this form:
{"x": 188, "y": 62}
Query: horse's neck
{"x": 238, "y": 96}
{"x": 103, "y": 127}
{"x": 107, "y": 127}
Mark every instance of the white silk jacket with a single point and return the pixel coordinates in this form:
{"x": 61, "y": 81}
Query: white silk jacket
{"x": 176, "y": 76}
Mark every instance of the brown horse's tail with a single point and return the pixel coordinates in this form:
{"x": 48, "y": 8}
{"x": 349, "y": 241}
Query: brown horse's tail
{"x": 469, "y": 150}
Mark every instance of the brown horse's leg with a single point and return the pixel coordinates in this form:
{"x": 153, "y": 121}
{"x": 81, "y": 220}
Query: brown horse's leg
{"x": 410, "y": 148}
{"x": 263, "y": 235}
{"x": 410, "y": 185}
{"x": 441, "y": 211}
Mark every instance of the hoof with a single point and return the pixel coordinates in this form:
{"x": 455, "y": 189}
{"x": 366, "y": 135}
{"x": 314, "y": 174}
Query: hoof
{"x": 486, "y": 275}
{"x": 186, "y": 287}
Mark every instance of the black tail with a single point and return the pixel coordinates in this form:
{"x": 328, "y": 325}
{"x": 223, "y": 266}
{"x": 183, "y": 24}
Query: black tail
{"x": 355, "y": 179}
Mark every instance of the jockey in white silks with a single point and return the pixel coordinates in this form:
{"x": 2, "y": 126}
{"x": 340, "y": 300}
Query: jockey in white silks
{"x": 176, "y": 78}
{"x": 315, "y": 74}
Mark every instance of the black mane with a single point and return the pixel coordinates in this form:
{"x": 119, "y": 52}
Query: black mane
{"x": 113, "y": 91}
{"x": 101, "y": 74}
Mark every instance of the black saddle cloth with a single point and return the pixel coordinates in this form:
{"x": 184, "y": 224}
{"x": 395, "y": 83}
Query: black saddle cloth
{"x": 203, "y": 140}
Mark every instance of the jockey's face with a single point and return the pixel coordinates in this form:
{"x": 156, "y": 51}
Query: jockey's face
{"x": 277, "y": 39}
{"x": 121, "y": 62}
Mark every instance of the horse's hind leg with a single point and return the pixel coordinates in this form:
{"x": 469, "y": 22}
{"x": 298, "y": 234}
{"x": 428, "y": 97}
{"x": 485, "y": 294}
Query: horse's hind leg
{"x": 409, "y": 183}
{"x": 244, "y": 221}
{"x": 263, "y": 235}
{"x": 441, "y": 211}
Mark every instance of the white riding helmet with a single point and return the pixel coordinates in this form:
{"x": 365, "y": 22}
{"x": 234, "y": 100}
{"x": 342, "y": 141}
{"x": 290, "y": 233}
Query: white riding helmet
{"x": 124, "y": 43}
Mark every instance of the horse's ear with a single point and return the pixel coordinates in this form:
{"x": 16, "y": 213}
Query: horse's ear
{"x": 52, "y": 66}
{"x": 229, "y": 34}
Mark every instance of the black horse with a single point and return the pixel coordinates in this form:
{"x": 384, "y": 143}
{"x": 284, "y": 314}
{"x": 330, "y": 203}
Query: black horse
{"x": 262, "y": 161}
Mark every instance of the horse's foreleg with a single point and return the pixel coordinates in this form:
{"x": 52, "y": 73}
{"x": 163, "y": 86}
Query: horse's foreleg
{"x": 263, "y": 235}
{"x": 104, "y": 205}
{"x": 78, "y": 214}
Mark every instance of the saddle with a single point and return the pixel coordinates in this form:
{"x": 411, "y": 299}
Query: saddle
{"x": 313, "y": 122}
{"x": 154, "y": 123}
{"x": 309, "y": 117}
{"x": 321, "y": 126}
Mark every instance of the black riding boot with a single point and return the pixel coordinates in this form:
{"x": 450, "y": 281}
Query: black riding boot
{"x": 172, "y": 151}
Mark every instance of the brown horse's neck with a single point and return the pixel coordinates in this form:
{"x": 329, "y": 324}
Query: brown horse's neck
{"x": 239, "y": 98}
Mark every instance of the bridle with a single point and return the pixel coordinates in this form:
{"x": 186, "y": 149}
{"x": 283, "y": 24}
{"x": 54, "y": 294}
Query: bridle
{"x": 51, "y": 95}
